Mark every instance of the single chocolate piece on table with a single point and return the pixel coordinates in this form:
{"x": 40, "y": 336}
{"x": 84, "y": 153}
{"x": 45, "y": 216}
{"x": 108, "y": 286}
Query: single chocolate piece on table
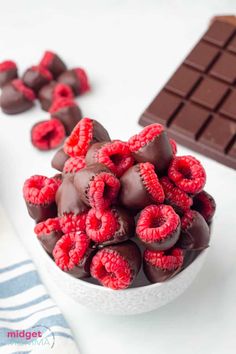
{"x": 8, "y": 72}
{"x": 75, "y": 78}
{"x": 198, "y": 103}
{"x": 67, "y": 111}
{"x": 16, "y": 97}
{"x": 59, "y": 159}
{"x": 53, "y": 63}
{"x": 53, "y": 91}
{"x": 36, "y": 77}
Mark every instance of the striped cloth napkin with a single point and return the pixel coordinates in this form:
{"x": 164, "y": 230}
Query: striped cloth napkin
{"x": 30, "y": 321}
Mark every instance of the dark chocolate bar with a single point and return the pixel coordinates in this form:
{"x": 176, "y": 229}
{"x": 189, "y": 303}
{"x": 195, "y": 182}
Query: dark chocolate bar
{"x": 198, "y": 104}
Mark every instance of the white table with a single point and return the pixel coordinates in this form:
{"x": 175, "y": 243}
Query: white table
{"x": 129, "y": 49}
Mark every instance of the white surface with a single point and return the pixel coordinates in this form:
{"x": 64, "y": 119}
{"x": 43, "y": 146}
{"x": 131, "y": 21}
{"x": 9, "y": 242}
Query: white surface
{"x": 129, "y": 48}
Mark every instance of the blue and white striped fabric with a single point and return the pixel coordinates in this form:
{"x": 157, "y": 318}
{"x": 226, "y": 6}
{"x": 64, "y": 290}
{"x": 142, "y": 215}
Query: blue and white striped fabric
{"x": 30, "y": 321}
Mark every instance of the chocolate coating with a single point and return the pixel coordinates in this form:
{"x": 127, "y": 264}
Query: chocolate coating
{"x": 59, "y": 160}
{"x": 133, "y": 192}
{"x": 90, "y": 157}
{"x": 126, "y": 227}
{"x": 158, "y": 275}
{"x": 197, "y": 235}
{"x": 57, "y": 66}
{"x": 69, "y": 116}
{"x": 67, "y": 197}
{"x": 99, "y": 132}
{"x": 45, "y": 95}
{"x": 83, "y": 177}
{"x": 129, "y": 251}
{"x": 13, "y": 101}
{"x": 34, "y": 80}
{"x": 70, "y": 78}
{"x": 42, "y": 212}
{"x": 158, "y": 152}
{"x": 49, "y": 241}
{"x": 7, "y": 76}
{"x": 166, "y": 243}
{"x": 82, "y": 270}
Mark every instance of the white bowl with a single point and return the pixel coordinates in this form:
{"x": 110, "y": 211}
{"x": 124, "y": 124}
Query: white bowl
{"x": 124, "y": 302}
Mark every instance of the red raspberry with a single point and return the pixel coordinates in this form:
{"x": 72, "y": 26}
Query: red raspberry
{"x": 151, "y": 182}
{"x": 26, "y": 91}
{"x": 74, "y": 164}
{"x": 83, "y": 80}
{"x": 158, "y": 226}
{"x": 48, "y": 134}
{"x": 173, "y": 146}
{"x": 111, "y": 269}
{"x": 7, "y": 65}
{"x": 71, "y": 222}
{"x": 48, "y": 233}
{"x": 70, "y": 250}
{"x": 61, "y": 103}
{"x": 205, "y": 204}
{"x": 62, "y": 91}
{"x": 101, "y": 226}
{"x": 137, "y": 141}
{"x": 78, "y": 142}
{"x": 40, "y": 190}
{"x": 187, "y": 173}
{"x": 103, "y": 190}
{"x": 116, "y": 156}
{"x": 168, "y": 260}
{"x": 174, "y": 196}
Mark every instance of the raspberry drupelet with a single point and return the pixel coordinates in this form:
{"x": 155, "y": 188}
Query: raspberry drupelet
{"x": 39, "y": 194}
{"x": 158, "y": 227}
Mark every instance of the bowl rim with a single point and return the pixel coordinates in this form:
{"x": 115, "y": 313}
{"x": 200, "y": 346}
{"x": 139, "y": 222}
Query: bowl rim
{"x": 103, "y": 288}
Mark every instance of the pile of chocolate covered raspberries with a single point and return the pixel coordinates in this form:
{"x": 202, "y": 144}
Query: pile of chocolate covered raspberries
{"x": 117, "y": 207}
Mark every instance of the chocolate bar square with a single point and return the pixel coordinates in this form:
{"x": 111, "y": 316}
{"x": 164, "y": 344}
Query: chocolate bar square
{"x": 183, "y": 81}
{"x": 225, "y": 68}
{"x": 202, "y": 56}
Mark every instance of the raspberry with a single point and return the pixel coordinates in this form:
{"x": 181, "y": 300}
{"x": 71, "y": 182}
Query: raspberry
{"x": 151, "y": 182}
{"x": 157, "y": 224}
{"x": 48, "y": 134}
{"x": 103, "y": 190}
{"x": 116, "y": 156}
{"x": 78, "y": 142}
{"x": 70, "y": 250}
{"x": 174, "y": 196}
{"x": 173, "y": 146}
{"x": 83, "y": 80}
{"x": 111, "y": 269}
{"x": 71, "y": 222}
{"x": 101, "y": 226}
{"x": 148, "y": 134}
{"x": 7, "y": 65}
{"x": 168, "y": 260}
{"x": 27, "y": 92}
{"x": 62, "y": 91}
{"x": 61, "y": 103}
{"x": 74, "y": 164}
{"x": 187, "y": 173}
{"x": 205, "y": 204}
{"x": 40, "y": 190}
{"x": 47, "y": 59}
{"x": 48, "y": 233}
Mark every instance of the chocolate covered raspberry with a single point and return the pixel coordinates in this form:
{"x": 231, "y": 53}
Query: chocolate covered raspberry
{"x": 72, "y": 253}
{"x": 48, "y": 233}
{"x": 36, "y": 77}
{"x": 67, "y": 111}
{"x": 85, "y": 133}
{"x": 59, "y": 159}
{"x": 152, "y": 145}
{"x": 162, "y": 265}
{"x": 8, "y": 72}
{"x": 16, "y": 97}
{"x": 97, "y": 186}
{"x": 115, "y": 155}
{"x": 53, "y": 63}
{"x": 205, "y": 204}
{"x": 116, "y": 266}
{"x": 140, "y": 187}
{"x": 77, "y": 79}
{"x": 47, "y": 134}
{"x": 39, "y": 194}
{"x": 52, "y": 92}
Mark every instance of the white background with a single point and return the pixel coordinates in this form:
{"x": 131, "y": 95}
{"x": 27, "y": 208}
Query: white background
{"x": 129, "y": 48}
